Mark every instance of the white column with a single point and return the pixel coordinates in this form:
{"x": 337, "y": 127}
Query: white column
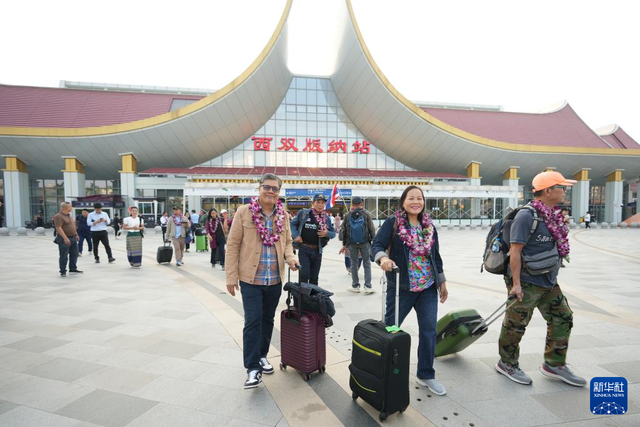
{"x": 580, "y": 194}
{"x": 128, "y": 176}
{"x": 613, "y": 197}
{"x": 73, "y": 174}
{"x": 473, "y": 174}
{"x": 510, "y": 179}
{"x": 16, "y": 192}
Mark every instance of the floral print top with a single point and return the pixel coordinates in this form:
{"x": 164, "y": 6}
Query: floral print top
{"x": 420, "y": 269}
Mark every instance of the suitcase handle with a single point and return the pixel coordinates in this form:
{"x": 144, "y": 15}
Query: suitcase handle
{"x": 288, "y": 314}
{"x": 495, "y": 315}
{"x": 383, "y": 281}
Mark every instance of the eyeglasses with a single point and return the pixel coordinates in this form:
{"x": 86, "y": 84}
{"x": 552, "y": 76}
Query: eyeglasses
{"x": 562, "y": 187}
{"x": 271, "y": 188}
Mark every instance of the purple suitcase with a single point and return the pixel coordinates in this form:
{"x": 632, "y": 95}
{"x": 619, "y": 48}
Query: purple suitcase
{"x": 303, "y": 340}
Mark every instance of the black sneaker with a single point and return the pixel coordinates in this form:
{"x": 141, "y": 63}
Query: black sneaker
{"x": 253, "y": 380}
{"x": 111, "y": 260}
{"x": 63, "y": 274}
{"x": 267, "y": 368}
{"x": 76, "y": 271}
{"x": 97, "y": 260}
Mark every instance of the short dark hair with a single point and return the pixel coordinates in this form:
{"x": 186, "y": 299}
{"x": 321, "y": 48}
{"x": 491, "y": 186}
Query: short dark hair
{"x": 176, "y": 208}
{"x": 83, "y": 210}
{"x": 271, "y": 177}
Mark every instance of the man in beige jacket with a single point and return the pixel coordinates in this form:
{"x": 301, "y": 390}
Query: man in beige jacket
{"x": 177, "y": 227}
{"x": 258, "y": 247}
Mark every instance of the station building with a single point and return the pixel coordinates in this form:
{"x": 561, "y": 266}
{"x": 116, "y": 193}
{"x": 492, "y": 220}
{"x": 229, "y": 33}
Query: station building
{"x": 157, "y": 147}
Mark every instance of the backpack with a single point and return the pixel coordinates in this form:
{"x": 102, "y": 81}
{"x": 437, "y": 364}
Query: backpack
{"x": 497, "y": 244}
{"x": 314, "y": 299}
{"x": 356, "y": 228}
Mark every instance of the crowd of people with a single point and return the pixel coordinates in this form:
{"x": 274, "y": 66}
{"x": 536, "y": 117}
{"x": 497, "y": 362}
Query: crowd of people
{"x": 260, "y": 242}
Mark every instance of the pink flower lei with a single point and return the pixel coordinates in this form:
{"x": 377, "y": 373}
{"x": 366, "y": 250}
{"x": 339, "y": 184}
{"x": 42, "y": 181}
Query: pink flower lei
{"x": 321, "y": 219}
{"x": 554, "y": 220}
{"x": 417, "y": 244}
{"x": 268, "y": 239}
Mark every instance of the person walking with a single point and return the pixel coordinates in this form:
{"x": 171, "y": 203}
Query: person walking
{"x": 84, "y": 231}
{"x": 116, "y": 223}
{"x": 357, "y": 232}
{"x": 311, "y": 230}
{"x": 202, "y": 222}
{"x": 216, "y": 236}
{"x": 225, "y": 222}
{"x": 164, "y": 219}
{"x": 409, "y": 240}
{"x": 258, "y": 248}
{"x": 67, "y": 239}
{"x": 98, "y": 221}
{"x": 177, "y": 228}
{"x": 189, "y": 236}
{"x": 337, "y": 221}
{"x": 134, "y": 226}
{"x": 195, "y": 221}
{"x": 536, "y": 285}
{"x": 587, "y": 220}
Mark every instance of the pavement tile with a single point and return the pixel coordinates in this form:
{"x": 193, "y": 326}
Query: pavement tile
{"x": 117, "y": 380}
{"x": 221, "y": 356}
{"x": 164, "y": 415}
{"x": 25, "y": 416}
{"x": 629, "y": 370}
{"x": 96, "y": 325}
{"x": 240, "y": 404}
{"x": 174, "y": 314}
{"x": 42, "y": 393}
{"x": 63, "y": 369}
{"x": 7, "y": 338}
{"x": 514, "y": 412}
{"x": 107, "y": 409}
{"x": 6, "y": 407}
{"x": 178, "y": 368}
{"x": 37, "y": 344}
{"x": 188, "y": 394}
{"x": 175, "y": 349}
{"x": 19, "y": 360}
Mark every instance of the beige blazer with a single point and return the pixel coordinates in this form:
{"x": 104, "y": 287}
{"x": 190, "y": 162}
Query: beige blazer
{"x": 244, "y": 247}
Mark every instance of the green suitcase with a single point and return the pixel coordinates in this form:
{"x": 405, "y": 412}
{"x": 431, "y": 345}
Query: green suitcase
{"x": 202, "y": 243}
{"x": 459, "y": 329}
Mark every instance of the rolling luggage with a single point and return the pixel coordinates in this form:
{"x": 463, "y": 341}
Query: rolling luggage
{"x": 459, "y": 329}
{"x": 380, "y": 363}
{"x": 202, "y": 242}
{"x": 303, "y": 342}
{"x": 165, "y": 253}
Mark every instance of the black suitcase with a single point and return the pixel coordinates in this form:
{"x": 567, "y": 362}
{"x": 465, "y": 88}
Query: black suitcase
{"x": 165, "y": 253}
{"x": 380, "y": 363}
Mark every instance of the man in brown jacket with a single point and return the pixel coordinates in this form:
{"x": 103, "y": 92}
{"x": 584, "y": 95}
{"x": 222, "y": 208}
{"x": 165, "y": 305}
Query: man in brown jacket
{"x": 177, "y": 227}
{"x": 67, "y": 239}
{"x": 258, "y": 247}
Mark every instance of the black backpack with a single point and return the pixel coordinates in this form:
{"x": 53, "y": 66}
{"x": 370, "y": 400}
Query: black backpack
{"x": 314, "y": 298}
{"x": 498, "y": 242}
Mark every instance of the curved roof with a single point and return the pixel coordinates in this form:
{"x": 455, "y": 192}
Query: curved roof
{"x": 26, "y": 106}
{"x": 617, "y": 137}
{"x": 425, "y": 142}
{"x": 182, "y": 138}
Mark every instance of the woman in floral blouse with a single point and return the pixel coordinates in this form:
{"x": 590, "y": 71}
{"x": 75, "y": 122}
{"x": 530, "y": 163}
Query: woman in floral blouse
{"x": 408, "y": 239}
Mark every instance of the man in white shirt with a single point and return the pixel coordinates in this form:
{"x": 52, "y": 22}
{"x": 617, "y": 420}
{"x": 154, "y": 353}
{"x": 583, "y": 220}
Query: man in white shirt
{"x": 587, "y": 220}
{"x": 98, "y": 222}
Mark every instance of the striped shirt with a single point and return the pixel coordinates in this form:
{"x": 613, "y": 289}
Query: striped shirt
{"x": 268, "y": 270}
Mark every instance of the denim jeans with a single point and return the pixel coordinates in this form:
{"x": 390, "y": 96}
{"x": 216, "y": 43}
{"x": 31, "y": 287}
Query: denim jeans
{"x": 310, "y": 263}
{"x": 426, "y": 305}
{"x": 85, "y": 235}
{"x": 259, "y": 303}
{"x": 364, "y": 249}
{"x": 68, "y": 254}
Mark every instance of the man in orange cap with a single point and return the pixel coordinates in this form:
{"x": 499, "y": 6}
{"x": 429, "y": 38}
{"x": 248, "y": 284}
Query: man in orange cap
{"x": 538, "y": 241}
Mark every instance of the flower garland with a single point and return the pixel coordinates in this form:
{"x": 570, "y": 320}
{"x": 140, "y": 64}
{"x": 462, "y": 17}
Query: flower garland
{"x": 554, "y": 221}
{"x": 177, "y": 220}
{"x": 211, "y": 229}
{"x": 268, "y": 239}
{"x": 321, "y": 220}
{"x": 418, "y": 244}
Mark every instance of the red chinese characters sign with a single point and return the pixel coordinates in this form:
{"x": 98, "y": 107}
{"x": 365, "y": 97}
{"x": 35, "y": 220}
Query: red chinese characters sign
{"x": 312, "y": 145}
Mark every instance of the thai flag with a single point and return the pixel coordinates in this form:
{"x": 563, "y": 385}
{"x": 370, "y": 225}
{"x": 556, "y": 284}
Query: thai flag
{"x": 335, "y": 195}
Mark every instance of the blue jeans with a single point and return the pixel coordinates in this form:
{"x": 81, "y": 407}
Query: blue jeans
{"x": 68, "y": 254}
{"x": 426, "y": 306}
{"x": 310, "y": 263}
{"x": 259, "y": 303}
{"x": 85, "y": 235}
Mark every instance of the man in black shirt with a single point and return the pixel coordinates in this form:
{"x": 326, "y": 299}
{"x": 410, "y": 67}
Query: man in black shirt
{"x": 84, "y": 231}
{"x": 311, "y": 230}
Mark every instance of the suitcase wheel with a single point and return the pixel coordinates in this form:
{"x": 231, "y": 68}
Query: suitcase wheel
{"x": 383, "y": 416}
{"x": 283, "y": 366}
{"x": 403, "y": 409}
{"x": 323, "y": 369}
{"x": 354, "y": 396}
{"x": 306, "y": 377}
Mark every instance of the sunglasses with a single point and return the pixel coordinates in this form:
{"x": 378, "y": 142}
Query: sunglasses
{"x": 562, "y": 187}
{"x": 271, "y": 188}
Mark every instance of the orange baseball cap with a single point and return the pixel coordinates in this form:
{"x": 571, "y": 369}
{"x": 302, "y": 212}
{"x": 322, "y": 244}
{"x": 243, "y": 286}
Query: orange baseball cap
{"x": 549, "y": 179}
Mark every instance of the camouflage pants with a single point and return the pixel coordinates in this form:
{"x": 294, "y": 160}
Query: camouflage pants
{"x": 554, "y": 307}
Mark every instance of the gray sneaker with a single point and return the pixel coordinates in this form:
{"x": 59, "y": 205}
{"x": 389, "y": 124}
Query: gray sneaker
{"x": 433, "y": 385}
{"x": 514, "y": 373}
{"x": 562, "y": 373}
{"x": 354, "y": 289}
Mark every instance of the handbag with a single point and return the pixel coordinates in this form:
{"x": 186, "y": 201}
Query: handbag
{"x": 314, "y": 298}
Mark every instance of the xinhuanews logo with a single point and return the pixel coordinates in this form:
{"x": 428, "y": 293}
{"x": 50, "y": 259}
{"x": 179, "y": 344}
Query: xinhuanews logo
{"x": 609, "y": 395}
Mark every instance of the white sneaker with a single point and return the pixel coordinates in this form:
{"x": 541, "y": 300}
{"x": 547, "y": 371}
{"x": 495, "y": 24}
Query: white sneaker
{"x": 253, "y": 380}
{"x": 354, "y": 290}
{"x": 433, "y": 385}
{"x": 267, "y": 368}
{"x": 368, "y": 290}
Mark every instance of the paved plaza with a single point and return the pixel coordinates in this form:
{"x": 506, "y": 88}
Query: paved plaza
{"x": 161, "y": 346}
